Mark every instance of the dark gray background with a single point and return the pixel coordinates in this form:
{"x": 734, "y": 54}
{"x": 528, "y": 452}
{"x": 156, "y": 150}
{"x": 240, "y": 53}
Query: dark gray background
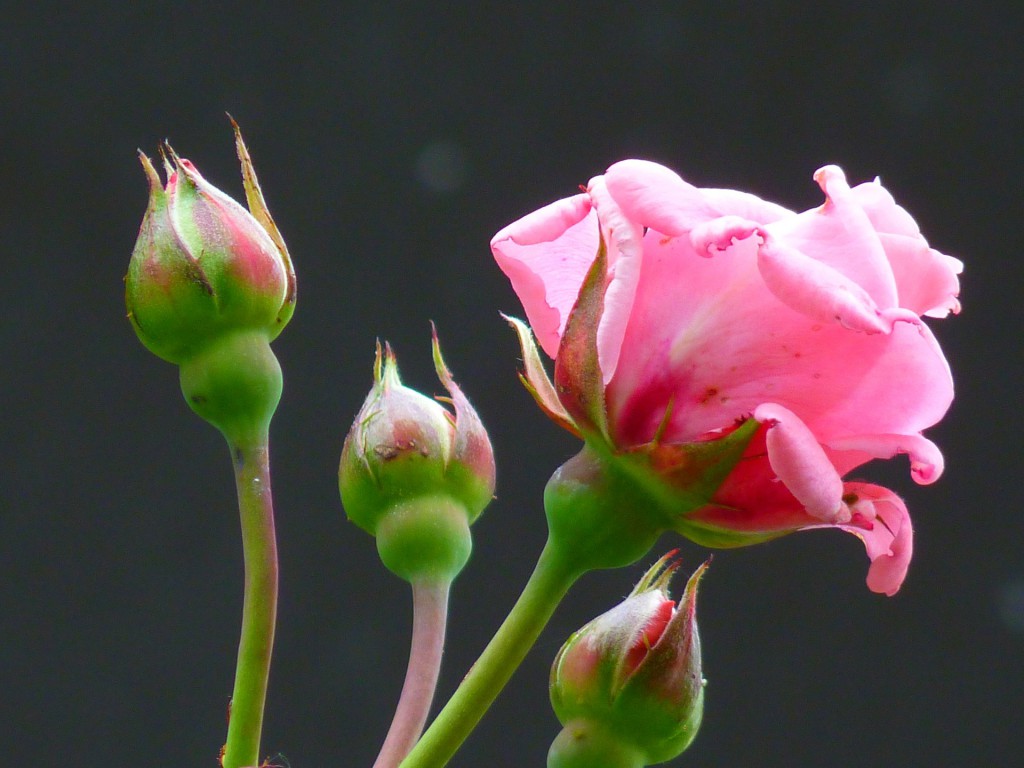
{"x": 393, "y": 139}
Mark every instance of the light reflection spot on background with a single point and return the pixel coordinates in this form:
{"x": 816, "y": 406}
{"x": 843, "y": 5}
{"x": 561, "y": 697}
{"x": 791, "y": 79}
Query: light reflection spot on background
{"x": 441, "y": 166}
{"x": 1011, "y": 604}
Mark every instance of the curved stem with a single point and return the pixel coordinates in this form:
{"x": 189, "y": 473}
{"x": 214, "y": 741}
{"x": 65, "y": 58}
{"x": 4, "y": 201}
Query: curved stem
{"x": 547, "y": 586}
{"x": 429, "y": 618}
{"x": 259, "y": 610}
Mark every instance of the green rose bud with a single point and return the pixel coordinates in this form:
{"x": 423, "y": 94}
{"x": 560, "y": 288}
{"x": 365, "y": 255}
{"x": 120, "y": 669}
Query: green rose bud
{"x": 628, "y": 686}
{"x": 204, "y": 267}
{"x": 209, "y": 286}
{"x": 414, "y": 475}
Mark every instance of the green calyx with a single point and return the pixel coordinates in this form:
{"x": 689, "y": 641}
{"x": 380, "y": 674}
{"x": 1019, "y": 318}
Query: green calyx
{"x": 235, "y": 384}
{"x": 606, "y": 508}
{"x": 594, "y": 519}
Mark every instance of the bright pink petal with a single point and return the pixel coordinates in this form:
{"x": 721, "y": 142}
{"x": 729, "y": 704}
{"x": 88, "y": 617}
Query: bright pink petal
{"x": 900, "y": 385}
{"x": 711, "y": 237}
{"x": 800, "y": 462}
{"x": 546, "y": 255}
{"x": 840, "y": 235}
{"x": 730, "y": 202}
{"x": 707, "y": 339}
{"x": 881, "y": 521}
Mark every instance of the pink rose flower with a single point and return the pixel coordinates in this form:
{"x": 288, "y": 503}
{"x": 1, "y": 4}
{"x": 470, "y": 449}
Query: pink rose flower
{"x": 718, "y": 307}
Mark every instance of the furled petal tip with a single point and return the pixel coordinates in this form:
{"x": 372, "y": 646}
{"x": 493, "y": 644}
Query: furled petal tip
{"x": 926, "y": 460}
{"x": 880, "y": 520}
{"x": 801, "y": 464}
{"x": 818, "y": 290}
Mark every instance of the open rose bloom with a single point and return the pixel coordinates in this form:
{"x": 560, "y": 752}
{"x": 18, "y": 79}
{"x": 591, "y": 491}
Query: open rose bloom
{"x": 680, "y": 316}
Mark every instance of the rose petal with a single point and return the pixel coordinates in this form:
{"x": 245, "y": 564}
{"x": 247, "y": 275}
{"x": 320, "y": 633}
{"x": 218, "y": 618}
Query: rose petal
{"x": 546, "y": 255}
{"x": 818, "y": 290}
{"x": 882, "y": 211}
{"x": 881, "y": 521}
{"x": 801, "y": 464}
{"x": 926, "y": 462}
{"x": 731, "y": 202}
{"x": 624, "y": 238}
{"x": 926, "y": 279}
{"x": 656, "y": 197}
{"x": 708, "y": 337}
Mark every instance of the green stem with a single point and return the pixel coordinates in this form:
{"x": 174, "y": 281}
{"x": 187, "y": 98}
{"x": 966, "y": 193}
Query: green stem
{"x": 551, "y": 579}
{"x": 259, "y": 610}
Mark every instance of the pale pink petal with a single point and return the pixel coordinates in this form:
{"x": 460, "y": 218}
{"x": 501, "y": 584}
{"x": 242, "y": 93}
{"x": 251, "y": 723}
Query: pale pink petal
{"x": 546, "y": 255}
{"x": 926, "y": 279}
{"x": 883, "y": 212}
{"x": 881, "y": 521}
{"x": 710, "y": 237}
{"x": 816, "y": 289}
{"x": 926, "y": 462}
{"x": 801, "y": 464}
{"x": 546, "y": 224}
{"x": 624, "y": 240}
{"x": 839, "y": 234}
{"x": 731, "y": 202}
{"x": 656, "y": 197}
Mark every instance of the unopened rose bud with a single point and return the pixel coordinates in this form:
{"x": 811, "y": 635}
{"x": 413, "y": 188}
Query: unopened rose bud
{"x": 415, "y": 475}
{"x": 627, "y": 687}
{"x": 204, "y": 267}
{"x": 209, "y": 286}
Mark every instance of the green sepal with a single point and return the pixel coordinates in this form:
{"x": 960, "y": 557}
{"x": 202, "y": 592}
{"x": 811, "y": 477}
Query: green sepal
{"x": 259, "y": 210}
{"x": 535, "y": 378}
{"x": 606, "y": 509}
{"x": 682, "y": 477}
{"x": 578, "y": 378}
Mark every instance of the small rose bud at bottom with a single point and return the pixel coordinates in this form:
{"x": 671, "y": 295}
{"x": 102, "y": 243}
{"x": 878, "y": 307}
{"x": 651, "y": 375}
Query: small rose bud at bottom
{"x": 632, "y": 677}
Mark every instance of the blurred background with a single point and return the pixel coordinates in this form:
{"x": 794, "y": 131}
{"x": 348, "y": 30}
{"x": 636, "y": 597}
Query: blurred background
{"x": 392, "y": 140}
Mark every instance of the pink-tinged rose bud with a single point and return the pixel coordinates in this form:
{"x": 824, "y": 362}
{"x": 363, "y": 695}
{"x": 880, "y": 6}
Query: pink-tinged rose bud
{"x": 680, "y": 316}
{"x": 415, "y": 475}
{"x": 629, "y": 683}
{"x": 204, "y": 267}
